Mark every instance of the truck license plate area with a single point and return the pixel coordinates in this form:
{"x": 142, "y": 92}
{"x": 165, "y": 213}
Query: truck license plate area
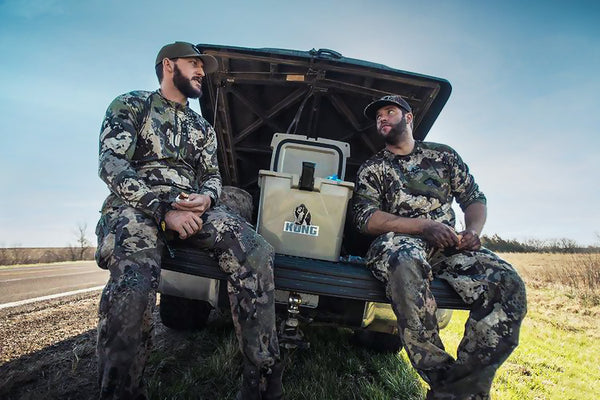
{"x": 308, "y": 300}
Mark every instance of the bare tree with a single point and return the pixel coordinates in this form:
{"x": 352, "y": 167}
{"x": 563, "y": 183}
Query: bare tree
{"x": 537, "y": 245}
{"x": 78, "y": 252}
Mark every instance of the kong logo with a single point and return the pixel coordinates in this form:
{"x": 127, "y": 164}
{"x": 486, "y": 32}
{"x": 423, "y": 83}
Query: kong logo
{"x": 301, "y": 224}
{"x": 302, "y": 215}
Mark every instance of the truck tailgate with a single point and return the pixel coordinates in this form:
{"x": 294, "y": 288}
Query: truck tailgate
{"x": 338, "y": 279}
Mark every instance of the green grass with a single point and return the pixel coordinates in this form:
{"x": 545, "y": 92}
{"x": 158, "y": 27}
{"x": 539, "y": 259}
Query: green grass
{"x": 335, "y": 369}
{"x": 207, "y": 364}
{"x": 557, "y": 358}
{"x": 194, "y": 365}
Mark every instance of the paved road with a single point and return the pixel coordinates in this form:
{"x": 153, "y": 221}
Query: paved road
{"x": 23, "y": 283}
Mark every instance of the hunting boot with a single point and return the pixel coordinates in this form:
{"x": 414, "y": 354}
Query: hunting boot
{"x": 250, "y": 383}
{"x": 274, "y": 389}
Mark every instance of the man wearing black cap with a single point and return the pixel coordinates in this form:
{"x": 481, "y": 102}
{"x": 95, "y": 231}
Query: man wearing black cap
{"x": 159, "y": 160}
{"x": 404, "y": 195}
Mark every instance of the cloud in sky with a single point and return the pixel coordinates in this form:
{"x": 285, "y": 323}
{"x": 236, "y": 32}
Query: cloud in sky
{"x": 523, "y": 112}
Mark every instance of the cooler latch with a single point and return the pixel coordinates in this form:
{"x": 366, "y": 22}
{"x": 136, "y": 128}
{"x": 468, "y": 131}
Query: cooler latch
{"x": 307, "y": 178}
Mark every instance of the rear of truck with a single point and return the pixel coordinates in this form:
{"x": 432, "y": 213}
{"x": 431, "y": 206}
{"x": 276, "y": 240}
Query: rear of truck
{"x": 292, "y": 134}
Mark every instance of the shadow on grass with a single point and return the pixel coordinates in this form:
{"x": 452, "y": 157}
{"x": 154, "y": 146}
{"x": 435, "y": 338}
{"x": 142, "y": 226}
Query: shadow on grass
{"x": 65, "y": 370}
{"x": 207, "y": 364}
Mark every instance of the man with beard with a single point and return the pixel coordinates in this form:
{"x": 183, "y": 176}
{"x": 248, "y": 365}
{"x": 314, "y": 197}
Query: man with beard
{"x": 404, "y": 196}
{"x": 159, "y": 160}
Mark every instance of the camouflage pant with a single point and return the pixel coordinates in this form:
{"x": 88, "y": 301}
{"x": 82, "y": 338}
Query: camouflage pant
{"x": 492, "y": 288}
{"x": 128, "y": 246}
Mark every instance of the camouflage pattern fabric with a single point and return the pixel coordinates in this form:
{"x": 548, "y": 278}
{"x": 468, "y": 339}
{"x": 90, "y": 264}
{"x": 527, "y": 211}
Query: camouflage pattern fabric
{"x": 151, "y": 149}
{"x": 419, "y": 185}
{"x": 488, "y": 284}
{"x": 128, "y": 246}
{"x": 422, "y": 184}
{"x": 175, "y": 151}
{"x": 238, "y": 201}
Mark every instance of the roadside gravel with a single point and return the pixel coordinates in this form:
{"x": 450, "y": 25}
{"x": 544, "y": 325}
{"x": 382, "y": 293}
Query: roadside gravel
{"x": 47, "y": 349}
{"x": 35, "y": 326}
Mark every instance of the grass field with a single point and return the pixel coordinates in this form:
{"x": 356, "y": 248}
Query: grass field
{"x": 556, "y": 359}
{"x": 558, "y": 354}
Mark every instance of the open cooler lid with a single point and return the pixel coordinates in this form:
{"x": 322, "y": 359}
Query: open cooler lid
{"x": 256, "y": 93}
{"x": 290, "y": 151}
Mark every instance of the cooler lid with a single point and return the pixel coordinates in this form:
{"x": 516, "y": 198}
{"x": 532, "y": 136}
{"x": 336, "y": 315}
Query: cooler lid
{"x": 291, "y": 150}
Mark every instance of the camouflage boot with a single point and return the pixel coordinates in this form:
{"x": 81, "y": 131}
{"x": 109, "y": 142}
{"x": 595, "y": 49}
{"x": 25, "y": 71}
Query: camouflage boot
{"x": 274, "y": 389}
{"x": 250, "y": 383}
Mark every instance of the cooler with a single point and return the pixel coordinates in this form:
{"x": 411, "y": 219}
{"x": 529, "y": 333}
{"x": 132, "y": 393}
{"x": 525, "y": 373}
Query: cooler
{"x": 302, "y": 213}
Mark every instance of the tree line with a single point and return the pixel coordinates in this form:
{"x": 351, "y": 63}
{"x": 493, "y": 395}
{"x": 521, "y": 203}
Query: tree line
{"x": 561, "y": 245}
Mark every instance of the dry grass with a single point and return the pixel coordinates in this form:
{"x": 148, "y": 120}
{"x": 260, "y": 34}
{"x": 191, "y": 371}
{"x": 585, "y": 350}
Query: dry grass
{"x": 576, "y": 274}
{"x": 36, "y": 255}
{"x": 557, "y": 355}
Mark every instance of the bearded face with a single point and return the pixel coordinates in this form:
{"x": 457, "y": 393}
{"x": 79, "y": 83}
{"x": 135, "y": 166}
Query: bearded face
{"x": 187, "y": 86}
{"x": 396, "y": 131}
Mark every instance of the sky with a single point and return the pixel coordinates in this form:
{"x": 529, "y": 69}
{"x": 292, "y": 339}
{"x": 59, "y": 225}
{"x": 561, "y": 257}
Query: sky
{"x": 524, "y": 110}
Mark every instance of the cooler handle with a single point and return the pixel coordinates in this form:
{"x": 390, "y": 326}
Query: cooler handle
{"x": 307, "y": 179}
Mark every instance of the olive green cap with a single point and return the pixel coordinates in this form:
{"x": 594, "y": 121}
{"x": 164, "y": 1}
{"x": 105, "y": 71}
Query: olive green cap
{"x": 183, "y": 50}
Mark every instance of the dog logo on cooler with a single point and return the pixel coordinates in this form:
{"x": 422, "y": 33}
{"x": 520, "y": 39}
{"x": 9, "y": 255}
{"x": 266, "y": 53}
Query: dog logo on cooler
{"x": 301, "y": 224}
{"x": 302, "y": 215}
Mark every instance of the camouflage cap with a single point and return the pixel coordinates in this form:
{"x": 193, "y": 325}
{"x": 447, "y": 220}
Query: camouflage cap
{"x": 395, "y": 100}
{"x": 184, "y": 49}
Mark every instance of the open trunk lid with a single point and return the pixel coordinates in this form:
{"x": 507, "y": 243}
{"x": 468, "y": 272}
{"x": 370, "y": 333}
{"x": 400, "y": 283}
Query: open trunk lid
{"x": 318, "y": 93}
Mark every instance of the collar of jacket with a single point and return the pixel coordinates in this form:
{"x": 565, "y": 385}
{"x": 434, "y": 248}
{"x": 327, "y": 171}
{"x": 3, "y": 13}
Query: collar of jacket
{"x": 388, "y": 155}
{"x": 171, "y": 103}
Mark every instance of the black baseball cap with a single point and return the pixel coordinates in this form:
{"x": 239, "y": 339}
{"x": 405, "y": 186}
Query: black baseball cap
{"x": 395, "y": 100}
{"x": 183, "y": 50}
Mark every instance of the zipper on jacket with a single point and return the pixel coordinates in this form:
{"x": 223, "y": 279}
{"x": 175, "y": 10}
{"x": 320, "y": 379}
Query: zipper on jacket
{"x": 181, "y": 132}
{"x": 175, "y": 132}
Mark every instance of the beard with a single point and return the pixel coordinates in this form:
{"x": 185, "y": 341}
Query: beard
{"x": 184, "y": 85}
{"x": 395, "y": 134}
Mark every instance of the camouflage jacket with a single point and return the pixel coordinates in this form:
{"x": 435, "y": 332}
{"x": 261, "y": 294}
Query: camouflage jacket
{"x": 421, "y": 184}
{"x": 151, "y": 149}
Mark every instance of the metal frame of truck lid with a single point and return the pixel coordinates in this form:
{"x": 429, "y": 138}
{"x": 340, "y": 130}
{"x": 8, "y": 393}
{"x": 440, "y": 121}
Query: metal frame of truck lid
{"x": 318, "y": 93}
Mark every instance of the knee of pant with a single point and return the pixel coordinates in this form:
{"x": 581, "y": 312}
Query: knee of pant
{"x": 258, "y": 248}
{"x": 126, "y": 299}
{"x": 405, "y": 267}
{"x": 148, "y": 258}
{"x": 266, "y": 247}
{"x": 513, "y": 294}
{"x": 139, "y": 278}
{"x": 251, "y": 253}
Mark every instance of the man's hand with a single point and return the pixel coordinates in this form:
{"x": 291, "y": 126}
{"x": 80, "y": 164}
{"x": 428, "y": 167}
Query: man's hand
{"x": 197, "y": 203}
{"x": 439, "y": 235}
{"x": 469, "y": 240}
{"x": 185, "y": 223}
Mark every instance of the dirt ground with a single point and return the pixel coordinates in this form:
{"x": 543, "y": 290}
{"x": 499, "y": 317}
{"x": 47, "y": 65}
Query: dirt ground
{"x": 47, "y": 349}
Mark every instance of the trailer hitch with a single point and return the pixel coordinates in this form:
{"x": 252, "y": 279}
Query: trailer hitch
{"x": 291, "y": 337}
